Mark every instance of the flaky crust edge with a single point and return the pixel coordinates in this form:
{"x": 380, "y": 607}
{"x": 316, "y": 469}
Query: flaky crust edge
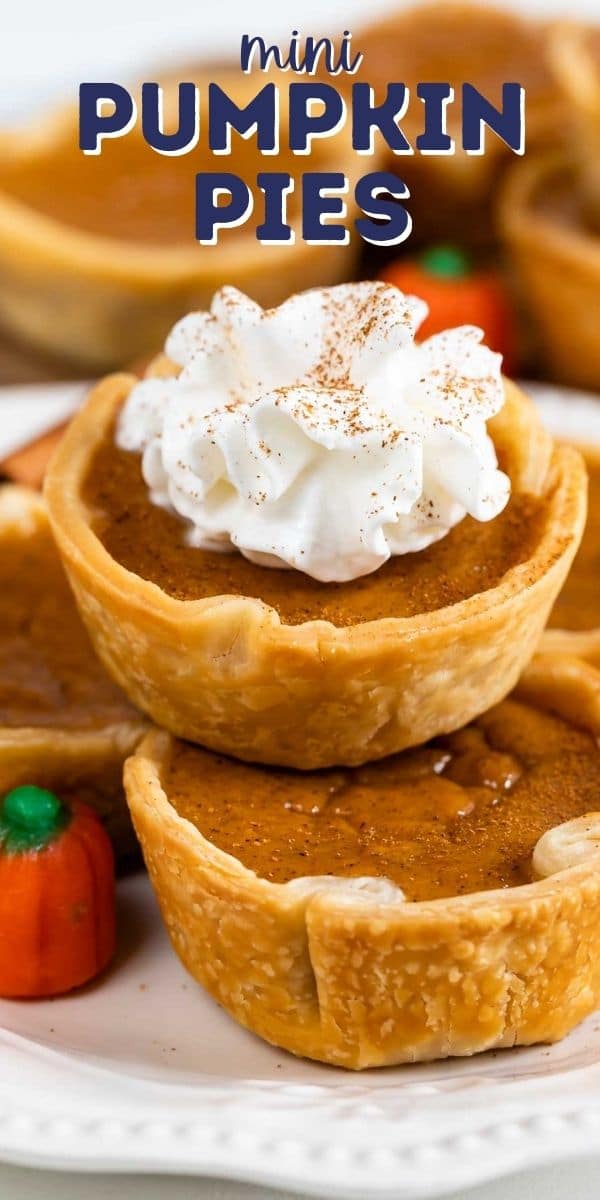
{"x": 225, "y": 672}
{"x": 55, "y": 757}
{"x": 355, "y": 982}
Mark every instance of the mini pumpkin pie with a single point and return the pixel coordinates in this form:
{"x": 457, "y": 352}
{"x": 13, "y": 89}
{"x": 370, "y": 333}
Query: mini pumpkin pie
{"x": 550, "y": 219}
{"x": 556, "y": 258}
{"x": 574, "y": 52}
{"x": 63, "y": 723}
{"x": 293, "y": 579}
{"x": 98, "y": 255}
{"x": 452, "y": 196}
{"x": 441, "y": 902}
{"x": 574, "y": 625}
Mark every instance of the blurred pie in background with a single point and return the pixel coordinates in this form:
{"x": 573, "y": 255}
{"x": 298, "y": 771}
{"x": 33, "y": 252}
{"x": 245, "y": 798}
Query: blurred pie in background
{"x": 550, "y": 220}
{"x": 98, "y": 256}
{"x": 452, "y": 197}
{"x": 63, "y": 723}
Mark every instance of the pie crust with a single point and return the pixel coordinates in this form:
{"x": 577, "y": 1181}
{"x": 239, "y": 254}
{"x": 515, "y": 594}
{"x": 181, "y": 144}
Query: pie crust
{"x": 102, "y": 301}
{"x": 453, "y": 195}
{"x": 353, "y": 975}
{"x": 582, "y": 643}
{"x": 574, "y": 52}
{"x": 73, "y": 761}
{"x": 557, "y": 267}
{"x": 225, "y": 672}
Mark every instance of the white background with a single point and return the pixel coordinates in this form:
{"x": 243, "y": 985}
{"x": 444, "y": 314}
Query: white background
{"x": 47, "y": 46}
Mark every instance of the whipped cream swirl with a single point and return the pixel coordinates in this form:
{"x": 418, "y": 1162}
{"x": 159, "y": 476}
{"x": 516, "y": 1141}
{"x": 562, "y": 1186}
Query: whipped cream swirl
{"x": 319, "y": 435}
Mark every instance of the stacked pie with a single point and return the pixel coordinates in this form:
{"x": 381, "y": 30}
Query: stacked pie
{"x": 320, "y": 556}
{"x": 64, "y": 724}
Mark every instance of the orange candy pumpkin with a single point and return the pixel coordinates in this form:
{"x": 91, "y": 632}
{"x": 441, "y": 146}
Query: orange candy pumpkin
{"x": 457, "y": 294}
{"x": 57, "y": 895}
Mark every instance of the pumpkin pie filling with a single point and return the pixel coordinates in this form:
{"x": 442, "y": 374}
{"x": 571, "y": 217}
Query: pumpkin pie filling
{"x": 150, "y": 542}
{"x": 462, "y": 814}
{"x": 578, "y": 605}
{"x": 129, "y": 191}
{"x": 49, "y": 674}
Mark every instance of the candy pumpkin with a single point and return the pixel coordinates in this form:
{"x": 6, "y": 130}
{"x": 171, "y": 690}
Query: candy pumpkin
{"x": 457, "y": 294}
{"x": 57, "y": 884}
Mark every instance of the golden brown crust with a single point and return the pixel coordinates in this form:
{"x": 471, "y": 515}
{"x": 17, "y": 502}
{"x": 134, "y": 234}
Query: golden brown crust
{"x": 581, "y": 643}
{"x": 85, "y": 763}
{"x": 565, "y": 684}
{"x": 225, "y": 672}
{"x": 359, "y": 978}
{"x": 558, "y": 270}
{"x": 574, "y": 54}
{"x": 103, "y": 302}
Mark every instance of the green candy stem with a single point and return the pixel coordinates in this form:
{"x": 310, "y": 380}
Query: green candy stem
{"x": 446, "y": 262}
{"x": 30, "y": 819}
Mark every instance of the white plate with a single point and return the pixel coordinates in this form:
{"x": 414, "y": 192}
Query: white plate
{"x": 143, "y": 1072}
{"x": 29, "y": 410}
